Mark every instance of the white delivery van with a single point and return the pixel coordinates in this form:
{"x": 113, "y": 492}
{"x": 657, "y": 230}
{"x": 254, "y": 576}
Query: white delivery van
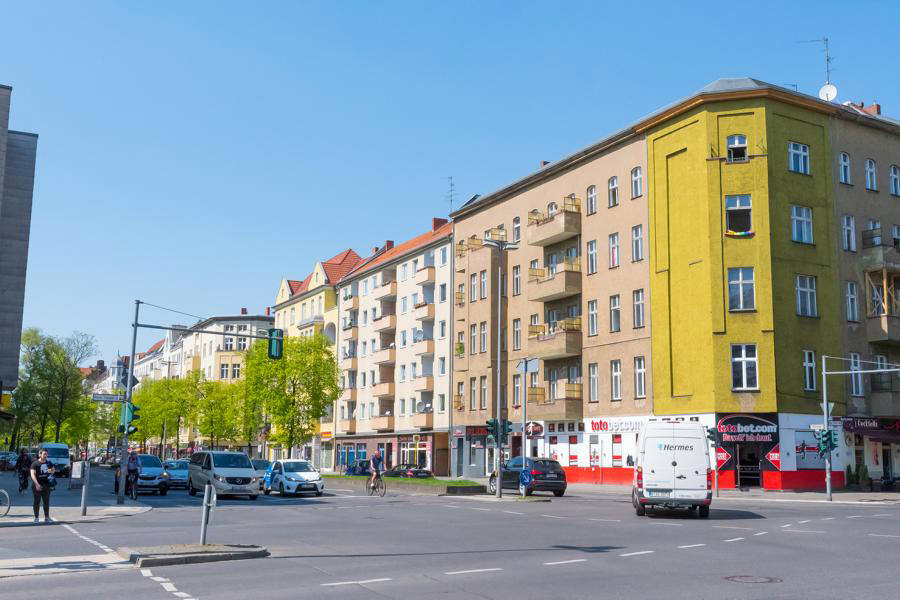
{"x": 672, "y": 468}
{"x": 58, "y": 454}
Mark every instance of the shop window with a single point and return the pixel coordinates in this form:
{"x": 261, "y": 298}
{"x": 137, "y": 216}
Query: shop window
{"x": 617, "y": 450}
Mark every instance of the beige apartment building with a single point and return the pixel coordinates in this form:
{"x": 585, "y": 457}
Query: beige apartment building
{"x": 394, "y": 347}
{"x": 575, "y": 297}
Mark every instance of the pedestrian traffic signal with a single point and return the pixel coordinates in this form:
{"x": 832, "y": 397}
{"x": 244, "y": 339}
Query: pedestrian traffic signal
{"x": 493, "y": 428}
{"x": 133, "y": 412}
{"x": 834, "y": 439}
{"x": 276, "y": 343}
{"x": 505, "y": 430}
{"x": 711, "y": 434}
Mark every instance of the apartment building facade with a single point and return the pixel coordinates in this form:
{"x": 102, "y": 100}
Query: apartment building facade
{"x": 394, "y": 346}
{"x": 575, "y": 297}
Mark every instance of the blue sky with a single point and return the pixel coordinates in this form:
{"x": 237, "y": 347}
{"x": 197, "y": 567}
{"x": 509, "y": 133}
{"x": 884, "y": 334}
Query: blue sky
{"x": 192, "y": 154}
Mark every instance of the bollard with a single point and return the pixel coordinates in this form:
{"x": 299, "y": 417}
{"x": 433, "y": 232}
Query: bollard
{"x": 208, "y": 500}
{"x": 85, "y": 482}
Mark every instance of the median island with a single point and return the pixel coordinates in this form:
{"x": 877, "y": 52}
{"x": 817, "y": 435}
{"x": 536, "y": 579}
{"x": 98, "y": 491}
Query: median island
{"x": 423, "y": 485}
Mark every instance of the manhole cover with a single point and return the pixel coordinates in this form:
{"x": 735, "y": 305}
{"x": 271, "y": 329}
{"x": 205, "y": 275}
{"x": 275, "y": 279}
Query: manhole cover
{"x": 751, "y": 579}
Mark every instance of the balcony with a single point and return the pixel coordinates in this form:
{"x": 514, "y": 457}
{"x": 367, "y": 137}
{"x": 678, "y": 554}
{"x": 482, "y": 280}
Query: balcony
{"x": 350, "y": 303}
{"x": 385, "y": 356}
{"x": 879, "y": 252}
{"x": 310, "y": 321}
{"x": 423, "y": 347}
{"x": 423, "y": 384}
{"x": 348, "y": 361}
{"x": 460, "y": 298}
{"x": 461, "y": 263}
{"x": 883, "y": 329}
{"x": 461, "y": 362}
{"x": 565, "y": 282}
{"x": 425, "y": 276}
{"x": 348, "y": 394}
{"x": 384, "y": 323}
{"x": 347, "y": 426}
{"x": 423, "y": 420}
{"x": 561, "y": 340}
{"x": 382, "y": 423}
{"x": 385, "y": 291}
{"x": 383, "y": 390}
{"x": 349, "y": 331}
{"x": 459, "y": 403}
{"x": 424, "y": 311}
{"x": 548, "y": 229}
{"x": 569, "y": 407}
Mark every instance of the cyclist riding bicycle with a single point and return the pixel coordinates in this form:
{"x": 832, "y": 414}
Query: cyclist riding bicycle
{"x": 23, "y": 464}
{"x": 376, "y": 464}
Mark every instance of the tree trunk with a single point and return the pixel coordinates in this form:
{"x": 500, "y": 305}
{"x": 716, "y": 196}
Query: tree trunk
{"x": 177, "y": 432}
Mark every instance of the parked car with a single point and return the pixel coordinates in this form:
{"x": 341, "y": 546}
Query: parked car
{"x": 152, "y": 476}
{"x": 359, "y": 467}
{"x": 407, "y": 470}
{"x": 178, "y": 473}
{"x": 261, "y": 466}
{"x": 546, "y": 475}
{"x": 673, "y": 468}
{"x": 58, "y": 454}
{"x": 8, "y": 461}
{"x": 293, "y": 477}
{"x": 230, "y": 473}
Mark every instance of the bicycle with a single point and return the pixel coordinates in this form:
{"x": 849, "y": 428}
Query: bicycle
{"x": 131, "y": 486}
{"x": 377, "y": 488}
{"x": 4, "y": 503}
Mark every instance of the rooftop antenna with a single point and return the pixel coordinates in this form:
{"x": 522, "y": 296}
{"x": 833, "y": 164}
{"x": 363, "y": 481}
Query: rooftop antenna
{"x": 451, "y": 192}
{"x": 827, "y": 92}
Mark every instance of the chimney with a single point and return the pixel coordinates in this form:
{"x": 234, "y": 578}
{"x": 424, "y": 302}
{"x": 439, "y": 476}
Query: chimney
{"x": 873, "y": 109}
{"x": 374, "y": 249}
{"x": 243, "y": 311}
{"x": 388, "y": 244}
{"x": 267, "y": 311}
{"x": 437, "y": 223}
{"x": 544, "y": 163}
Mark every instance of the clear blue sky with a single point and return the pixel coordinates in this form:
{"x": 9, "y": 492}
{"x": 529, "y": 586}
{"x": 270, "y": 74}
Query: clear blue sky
{"x": 192, "y": 154}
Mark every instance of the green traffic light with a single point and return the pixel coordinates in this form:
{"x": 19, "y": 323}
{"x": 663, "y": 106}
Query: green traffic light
{"x": 276, "y": 343}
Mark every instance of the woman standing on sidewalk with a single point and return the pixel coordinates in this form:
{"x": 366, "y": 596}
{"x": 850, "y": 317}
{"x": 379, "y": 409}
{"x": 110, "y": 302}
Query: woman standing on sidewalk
{"x": 41, "y": 470}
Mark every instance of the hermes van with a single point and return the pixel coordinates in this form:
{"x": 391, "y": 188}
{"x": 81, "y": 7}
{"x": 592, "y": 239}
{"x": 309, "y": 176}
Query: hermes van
{"x": 672, "y": 468}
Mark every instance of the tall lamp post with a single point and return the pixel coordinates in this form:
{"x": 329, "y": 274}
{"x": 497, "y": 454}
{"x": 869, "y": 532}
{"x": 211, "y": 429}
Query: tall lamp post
{"x": 502, "y": 246}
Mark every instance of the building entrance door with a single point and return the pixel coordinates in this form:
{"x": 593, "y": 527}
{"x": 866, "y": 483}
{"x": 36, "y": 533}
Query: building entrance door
{"x": 748, "y": 465}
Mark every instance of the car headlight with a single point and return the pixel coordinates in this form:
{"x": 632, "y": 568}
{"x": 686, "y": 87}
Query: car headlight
{"x": 165, "y": 475}
{"x": 292, "y": 479}
{"x": 254, "y": 479}
{"x": 219, "y": 478}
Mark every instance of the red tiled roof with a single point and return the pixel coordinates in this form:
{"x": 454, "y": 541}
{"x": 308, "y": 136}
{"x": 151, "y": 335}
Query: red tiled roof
{"x": 295, "y": 285}
{"x": 335, "y": 269}
{"x": 156, "y": 346}
{"x": 86, "y": 371}
{"x": 401, "y": 249}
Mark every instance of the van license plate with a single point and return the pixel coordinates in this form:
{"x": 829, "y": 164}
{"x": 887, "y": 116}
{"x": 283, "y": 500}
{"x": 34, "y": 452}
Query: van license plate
{"x": 550, "y": 476}
{"x": 657, "y": 494}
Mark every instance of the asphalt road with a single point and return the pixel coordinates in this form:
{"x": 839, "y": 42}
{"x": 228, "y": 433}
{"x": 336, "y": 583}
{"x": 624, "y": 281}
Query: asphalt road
{"x": 585, "y": 545}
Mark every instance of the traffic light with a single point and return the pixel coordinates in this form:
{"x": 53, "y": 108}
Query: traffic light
{"x": 123, "y": 375}
{"x": 834, "y": 439}
{"x": 493, "y": 428}
{"x": 505, "y": 430}
{"x": 129, "y": 414}
{"x": 276, "y": 343}
{"x": 711, "y": 434}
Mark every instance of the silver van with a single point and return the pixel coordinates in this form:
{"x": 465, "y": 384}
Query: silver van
{"x": 230, "y": 473}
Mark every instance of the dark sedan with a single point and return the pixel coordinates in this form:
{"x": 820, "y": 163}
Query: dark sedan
{"x": 408, "y": 470}
{"x": 544, "y": 474}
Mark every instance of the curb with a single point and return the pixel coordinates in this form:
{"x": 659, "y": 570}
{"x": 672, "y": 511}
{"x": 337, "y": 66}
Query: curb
{"x": 162, "y": 560}
{"x": 856, "y": 502}
{"x": 89, "y": 518}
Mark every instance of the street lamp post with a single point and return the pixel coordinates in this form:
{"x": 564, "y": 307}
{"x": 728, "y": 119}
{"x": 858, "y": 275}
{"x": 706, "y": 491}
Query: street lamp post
{"x": 501, "y": 246}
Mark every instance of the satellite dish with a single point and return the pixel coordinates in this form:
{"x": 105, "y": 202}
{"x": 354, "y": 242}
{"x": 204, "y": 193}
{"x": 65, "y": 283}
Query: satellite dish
{"x": 828, "y": 92}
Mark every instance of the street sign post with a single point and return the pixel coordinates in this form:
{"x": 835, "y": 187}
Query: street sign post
{"x": 106, "y": 398}
{"x": 817, "y": 426}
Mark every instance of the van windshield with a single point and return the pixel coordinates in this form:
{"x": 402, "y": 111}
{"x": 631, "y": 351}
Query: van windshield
{"x": 232, "y": 461}
{"x": 57, "y": 452}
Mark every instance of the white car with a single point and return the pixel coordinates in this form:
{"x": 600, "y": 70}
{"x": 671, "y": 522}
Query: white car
{"x": 58, "y": 454}
{"x": 230, "y": 473}
{"x": 290, "y": 477}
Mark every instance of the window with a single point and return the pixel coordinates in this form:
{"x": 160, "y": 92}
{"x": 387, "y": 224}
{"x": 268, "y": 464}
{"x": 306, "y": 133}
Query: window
{"x": 738, "y": 214}
{"x": 473, "y": 335}
{"x": 442, "y": 366}
{"x": 615, "y": 318}
{"x": 487, "y": 234}
{"x": 404, "y": 269}
{"x": 806, "y": 296}
{"x": 482, "y": 400}
{"x": 517, "y": 334}
{"x": 242, "y": 343}
{"x": 852, "y": 301}
{"x": 895, "y": 236}
{"x": 442, "y": 402}
{"x": 223, "y": 371}
{"x": 401, "y": 373}
{"x": 443, "y": 255}
{"x": 517, "y": 229}
{"x": 442, "y": 328}
{"x": 637, "y": 243}
{"x": 292, "y": 315}
{"x": 442, "y": 293}
{"x": 483, "y": 336}
{"x": 871, "y": 175}
{"x": 403, "y": 305}
{"x": 473, "y": 287}
{"x": 798, "y": 158}
{"x": 875, "y": 236}
{"x": 472, "y": 393}
{"x": 637, "y": 184}
{"x": 615, "y": 379}
{"x": 613, "y": 250}
{"x": 592, "y": 317}
{"x": 593, "y": 383}
{"x": 848, "y": 233}
{"x": 592, "y": 256}
{"x": 743, "y": 367}
{"x": 483, "y": 284}
{"x": 229, "y": 343}
{"x": 741, "y": 292}
{"x": 613, "y": 191}
{"x": 895, "y": 180}
{"x": 517, "y": 390}
{"x": 844, "y": 168}
{"x": 856, "y": 381}
{"x": 637, "y": 297}
{"x": 235, "y": 371}
{"x": 403, "y": 339}
{"x": 517, "y": 280}
{"x": 591, "y": 199}
{"x": 737, "y": 148}
{"x": 801, "y": 224}
{"x": 809, "y": 370}
{"x": 640, "y": 373}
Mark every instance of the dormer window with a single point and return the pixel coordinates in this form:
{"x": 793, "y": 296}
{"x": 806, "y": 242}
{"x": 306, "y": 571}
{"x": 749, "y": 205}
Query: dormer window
{"x": 737, "y": 148}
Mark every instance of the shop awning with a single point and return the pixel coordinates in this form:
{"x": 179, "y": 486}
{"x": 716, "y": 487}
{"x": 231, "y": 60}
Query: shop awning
{"x": 876, "y": 429}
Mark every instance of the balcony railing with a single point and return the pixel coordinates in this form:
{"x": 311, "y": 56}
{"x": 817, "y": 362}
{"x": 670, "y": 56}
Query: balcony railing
{"x": 460, "y": 298}
{"x": 384, "y": 322}
{"x": 423, "y": 420}
{"x": 424, "y": 311}
{"x": 549, "y": 228}
{"x": 556, "y": 340}
{"x": 559, "y": 281}
{"x": 385, "y": 290}
{"x": 425, "y": 275}
{"x": 382, "y": 423}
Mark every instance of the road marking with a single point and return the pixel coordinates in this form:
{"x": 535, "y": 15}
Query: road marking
{"x": 361, "y": 582}
{"x": 802, "y": 531}
{"x": 159, "y": 579}
{"x": 638, "y": 553}
{"x": 476, "y": 508}
{"x": 607, "y": 520}
{"x": 733, "y": 540}
{"x": 731, "y": 527}
{"x": 761, "y": 533}
{"x": 182, "y": 594}
{"x": 472, "y": 571}
{"x": 169, "y": 587}
{"x": 146, "y": 573}
{"x": 882, "y": 515}
{"x": 691, "y": 546}
{"x": 668, "y": 524}
{"x": 553, "y": 517}
{"x": 339, "y": 507}
{"x": 566, "y": 562}
{"x": 828, "y": 519}
{"x": 802, "y": 522}
{"x": 512, "y": 512}
{"x": 855, "y": 517}
{"x": 451, "y": 506}
{"x": 788, "y": 525}
{"x": 884, "y": 535}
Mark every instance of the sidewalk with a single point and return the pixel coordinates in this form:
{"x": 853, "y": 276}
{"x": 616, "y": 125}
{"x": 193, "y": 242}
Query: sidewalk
{"x": 65, "y": 504}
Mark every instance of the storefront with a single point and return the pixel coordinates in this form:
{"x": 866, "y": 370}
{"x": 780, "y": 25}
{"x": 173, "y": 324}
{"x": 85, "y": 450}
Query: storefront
{"x": 747, "y": 447}
{"x": 875, "y": 443}
{"x": 427, "y": 449}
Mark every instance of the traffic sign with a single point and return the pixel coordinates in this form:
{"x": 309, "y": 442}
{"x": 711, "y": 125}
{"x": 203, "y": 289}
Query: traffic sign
{"x": 106, "y": 398}
{"x": 525, "y": 477}
{"x": 817, "y": 426}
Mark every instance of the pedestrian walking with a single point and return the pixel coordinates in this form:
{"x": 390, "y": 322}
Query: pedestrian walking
{"x": 42, "y": 471}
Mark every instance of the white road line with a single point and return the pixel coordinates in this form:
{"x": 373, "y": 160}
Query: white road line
{"x": 169, "y": 587}
{"x": 802, "y": 531}
{"x": 828, "y": 519}
{"x": 882, "y": 515}
{"x": 668, "y": 524}
{"x": 146, "y": 573}
{"x": 181, "y": 594}
{"x": 339, "y": 507}
{"x": 788, "y": 525}
{"x": 566, "y": 562}
{"x": 476, "y": 508}
{"x": 638, "y": 553}
{"x": 360, "y": 582}
{"x": 732, "y": 527}
{"x": 472, "y": 571}
{"x": 691, "y": 546}
{"x": 733, "y": 540}
{"x": 761, "y": 533}
{"x": 553, "y": 517}
{"x": 159, "y": 579}
{"x": 607, "y": 520}
{"x": 512, "y": 512}
{"x": 855, "y": 517}
{"x": 883, "y": 535}
{"x": 802, "y": 522}
{"x": 450, "y": 506}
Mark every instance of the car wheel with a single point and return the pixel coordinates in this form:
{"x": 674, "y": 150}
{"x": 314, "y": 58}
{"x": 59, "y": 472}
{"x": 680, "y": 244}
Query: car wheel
{"x": 191, "y": 489}
{"x": 281, "y": 489}
{"x": 163, "y": 491}
{"x": 704, "y": 512}
{"x": 267, "y": 491}
{"x": 254, "y": 496}
{"x": 559, "y": 493}
{"x": 318, "y": 493}
{"x": 492, "y": 484}
{"x": 639, "y": 509}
